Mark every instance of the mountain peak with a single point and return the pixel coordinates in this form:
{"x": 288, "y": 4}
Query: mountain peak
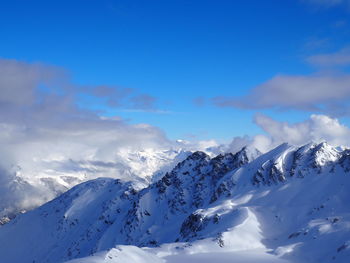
{"x": 197, "y": 155}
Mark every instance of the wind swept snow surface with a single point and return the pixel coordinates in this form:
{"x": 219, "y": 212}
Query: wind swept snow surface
{"x": 138, "y": 255}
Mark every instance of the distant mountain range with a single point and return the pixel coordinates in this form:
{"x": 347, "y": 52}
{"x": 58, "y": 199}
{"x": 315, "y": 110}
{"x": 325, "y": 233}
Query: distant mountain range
{"x": 290, "y": 204}
{"x": 22, "y": 190}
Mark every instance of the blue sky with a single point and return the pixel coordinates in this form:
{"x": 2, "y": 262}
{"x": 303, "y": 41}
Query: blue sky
{"x": 184, "y": 55}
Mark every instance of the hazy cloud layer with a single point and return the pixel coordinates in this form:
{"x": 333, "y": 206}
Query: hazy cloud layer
{"x": 318, "y": 93}
{"x": 326, "y": 91}
{"x": 36, "y": 108}
{"x": 326, "y": 3}
{"x": 115, "y": 96}
{"x": 41, "y": 126}
{"x": 339, "y": 58}
{"x": 20, "y": 82}
{"x": 145, "y": 102}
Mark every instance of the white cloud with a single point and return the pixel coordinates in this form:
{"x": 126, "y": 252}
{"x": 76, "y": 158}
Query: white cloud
{"x": 261, "y": 142}
{"x": 43, "y": 133}
{"x": 318, "y": 93}
{"x": 317, "y": 128}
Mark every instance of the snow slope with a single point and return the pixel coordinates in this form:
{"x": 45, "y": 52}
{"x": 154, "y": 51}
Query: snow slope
{"x": 144, "y": 255}
{"x": 288, "y": 205}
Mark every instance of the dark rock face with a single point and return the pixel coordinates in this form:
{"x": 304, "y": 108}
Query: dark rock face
{"x": 193, "y": 224}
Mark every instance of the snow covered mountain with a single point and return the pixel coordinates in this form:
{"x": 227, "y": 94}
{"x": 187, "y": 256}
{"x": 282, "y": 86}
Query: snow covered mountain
{"x": 22, "y": 189}
{"x": 287, "y": 205}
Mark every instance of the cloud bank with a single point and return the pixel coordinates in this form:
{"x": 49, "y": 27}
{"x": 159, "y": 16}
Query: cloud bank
{"x": 317, "y": 128}
{"x": 325, "y": 92}
{"x": 38, "y": 112}
{"x": 45, "y": 134}
{"x": 317, "y": 93}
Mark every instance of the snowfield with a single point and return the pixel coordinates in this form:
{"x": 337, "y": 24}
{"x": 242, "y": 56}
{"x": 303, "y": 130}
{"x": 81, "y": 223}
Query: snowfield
{"x": 288, "y": 205}
{"x": 139, "y": 255}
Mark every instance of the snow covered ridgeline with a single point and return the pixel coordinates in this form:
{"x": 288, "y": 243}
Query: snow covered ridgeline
{"x": 290, "y": 201}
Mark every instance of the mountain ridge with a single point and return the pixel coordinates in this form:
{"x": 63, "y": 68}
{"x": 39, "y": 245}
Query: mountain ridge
{"x": 232, "y": 202}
